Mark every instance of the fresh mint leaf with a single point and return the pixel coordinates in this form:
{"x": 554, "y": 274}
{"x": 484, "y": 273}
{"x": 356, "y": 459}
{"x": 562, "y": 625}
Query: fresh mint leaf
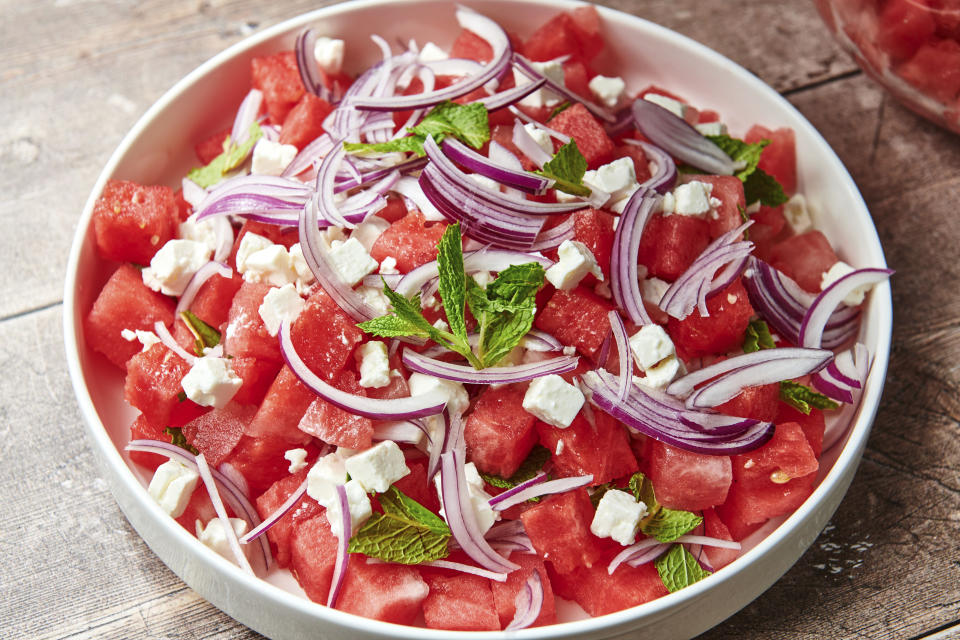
{"x": 757, "y": 337}
{"x": 803, "y": 398}
{"x": 530, "y": 467}
{"x": 179, "y": 440}
{"x": 678, "y": 568}
{"x": 666, "y": 525}
{"x": 567, "y": 168}
{"x": 409, "y": 144}
{"x": 764, "y": 188}
{"x": 511, "y": 309}
{"x": 182, "y": 396}
{"x": 758, "y": 186}
{"x": 453, "y": 279}
{"x": 559, "y": 109}
{"x": 391, "y": 327}
{"x": 598, "y": 492}
{"x": 204, "y": 335}
{"x": 406, "y": 532}
{"x": 469, "y": 123}
{"x": 233, "y": 156}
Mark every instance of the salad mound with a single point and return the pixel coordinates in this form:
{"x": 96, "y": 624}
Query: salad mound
{"x": 477, "y": 329}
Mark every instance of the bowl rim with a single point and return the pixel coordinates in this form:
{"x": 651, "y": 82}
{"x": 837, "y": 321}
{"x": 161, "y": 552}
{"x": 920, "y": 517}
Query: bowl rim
{"x": 856, "y": 437}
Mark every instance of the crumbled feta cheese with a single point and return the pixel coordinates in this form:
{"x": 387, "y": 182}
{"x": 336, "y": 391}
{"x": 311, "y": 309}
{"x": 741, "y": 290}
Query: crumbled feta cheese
{"x": 351, "y": 261}
{"x": 618, "y": 178}
{"x": 484, "y": 181}
{"x": 553, "y": 70}
{"x": 211, "y": 382}
{"x": 541, "y": 137}
{"x": 652, "y": 290}
{"x": 483, "y": 278}
{"x": 250, "y": 243}
{"x": 797, "y": 214}
{"x": 479, "y": 499}
{"x": 271, "y": 158}
{"x": 324, "y": 476}
{"x": 553, "y": 400}
{"x": 650, "y": 345}
{"x": 146, "y": 338}
{"x": 441, "y": 324}
{"x": 215, "y": 536}
{"x": 297, "y": 459}
{"x": 334, "y": 234}
{"x": 618, "y": 516}
{"x": 565, "y": 197}
{"x": 369, "y": 230}
{"x": 431, "y": 53}
{"x": 607, "y": 90}
{"x": 575, "y": 262}
{"x": 374, "y": 365}
{"x": 357, "y": 503}
{"x": 204, "y": 232}
{"x": 422, "y": 384}
{"x": 328, "y": 52}
{"x": 283, "y": 303}
{"x": 271, "y": 265}
{"x": 172, "y": 485}
{"x": 300, "y": 267}
{"x": 378, "y": 467}
{"x": 569, "y": 351}
{"x": 388, "y": 266}
{"x": 675, "y": 107}
{"x": 712, "y": 128}
{"x": 375, "y": 298}
{"x": 174, "y": 264}
{"x": 837, "y": 271}
{"x": 668, "y": 203}
{"x": 692, "y": 198}
{"x": 660, "y": 376}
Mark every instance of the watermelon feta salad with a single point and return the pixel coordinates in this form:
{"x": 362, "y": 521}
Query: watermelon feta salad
{"x": 477, "y": 329}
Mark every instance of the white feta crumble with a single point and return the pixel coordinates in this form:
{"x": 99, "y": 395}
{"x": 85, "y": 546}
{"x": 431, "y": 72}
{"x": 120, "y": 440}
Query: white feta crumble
{"x": 146, "y": 338}
{"x": 839, "y": 270}
{"x": 375, "y": 298}
{"x": 250, "y": 243}
{"x": 351, "y": 261}
{"x": 374, "y": 365}
{"x": 575, "y": 262}
{"x": 204, "y": 232}
{"x": 675, "y": 107}
{"x": 618, "y": 178}
{"x": 422, "y": 384}
{"x": 553, "y": 70}
{"x": 431, "y": 53}
{"x": 661, "y": 375}
{"x": 797, "y": 214}
{"x": 388, "y": 266}
{"x": 282, "y": 303}
{"x": 483, "y": 278}
{"x": 541, "y": 137}
{"x": 358, "y": 505}
{"x": 378, "y": 467}
{"x": 369, "y": 230}
{"x": 325, "y": 475}
{"x": 569, "y": 351}
{"x": 271, "y": 158}
{"x": 297, "y": 459}
{"x": 668, "y": 203}
{"x": 172, "y": 485}
{"x": 484, "y": 181}
{"x": 618, "y": 517}
{"x": 271, "y": 265}
{"x": 211, "y": 382}
{"x": 174, "y": 264}
{"x": 711, "y": 128}
{"x": 693, "y": 198}
{"x": 214, "y": 536}
{"x": 608, "y": 90}
{"x": 328, "y": 52}
{"x": 650, "y": 345}
{"x": 479, "y": 499}
{"x": 652, "y": 290}
{"x": 553, "y": 400}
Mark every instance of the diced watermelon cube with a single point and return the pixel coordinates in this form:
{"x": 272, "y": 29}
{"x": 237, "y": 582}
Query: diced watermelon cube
{"x": 131, "y": 221}
{"x": 153, "y": 382}
{"x": 472, "y": 47}
{"x": 499, "y": 433}
{"x": 688, "y": 481}
{"x": 577, "y": 318}
{"x": 804, "y": 258}
{"x": 576, "y": 77}
{"x": 287, "y": 236}
{"x": 245, "y": 333}
{"x": 714, "y": 528}
{"x": 143, "y": 429}
{"x": 779, "y": 158}
{"x": 600, "y": 593}
{"x": 594, "y": 228}
{"x": 592, "y": 141}
{"x": 412, "y": 241}
{"x": 282, "y": 409}
{"x": 387, "y": 592}
{"x": 721, "y": 331}
{"x": 124, "y": 303}
{"x": 304, "y": 123}
{"x": 641, "y": 164}
{"x": 935, "y": 70}
{"x": 505, "y": 593}
{"x": 209, "y": 148}
{"x": 217, "y": 432}
{"x": 602, "y": 449}
{"x": 769, "y": 227}
{"x": 199, "y": 509}
{"x": 559, "y": 528}
{"x": 729, "y": 191}
{"x": 261, "y": 461}
{"x": 813, "y": 425}
{"x": 461, "y": 602}
{"x": 278, "y": 77}
{"x": 324, "y": 335}
{"x": 415, "y": 486}
{"x": 670, "y": 244}
{"x": 313, "y": 554}
{"x": 396, "y": 208}
{"x": 213, "y": 300}
{"x": 257, "y": 374}
{"x": 903, "y": 26}
{"x": 281, "y": 533}
{"x": 759, "y": 403}
{"x": 575, "y": 33}
{"x": 336, "y": 426}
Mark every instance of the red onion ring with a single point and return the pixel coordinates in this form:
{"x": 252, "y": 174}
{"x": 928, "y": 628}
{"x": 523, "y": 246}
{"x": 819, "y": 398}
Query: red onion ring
{"x": 665, "y": 176}
{"x": 497, "y": 499}
{"x": 675, "y": 136}
{"x": 246, "y": 116}
{"x": 819, "y": 313}
{"x": 473, "y": 161}
{"x": 277, "y": 514}
{"x": 466, "y": 568}
{"x": 529, "y": 146}
{"x": 623, "y": 352}
{"x": 624, "y": 273}
{"x": 343, "y": 554}
{"x": 510, "y": 96}
{"x": 527, "y": 68}
{"x": 204, "y": 469}
{"x": 528, "y": 603}
{"x": 560, "y": 485}
{"x": 491, "y": 375}
{"x": 167, "y": 340}
{"x": 203, "y": 274}
{"x": 307, "y": 66}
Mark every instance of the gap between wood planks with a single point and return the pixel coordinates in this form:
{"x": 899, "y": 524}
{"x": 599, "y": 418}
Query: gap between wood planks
{"x": 27, "y": 312}
{"x": 943, "y": 632}
{"x": 821, "y": 82}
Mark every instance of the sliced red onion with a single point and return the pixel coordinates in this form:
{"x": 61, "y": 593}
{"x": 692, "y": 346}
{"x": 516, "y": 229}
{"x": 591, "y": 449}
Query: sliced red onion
{"x": 230, "y": 471}
{"x": 819, "y": 313}
{"x": 527, "y": 68}
{"x": 275, "y": 517}
{"x": 204, "y": 469}
{"x": 556, "y": 135}
{"x": 466, "y": 568}
{"x": 509, "y": 544}
{"x": 701, "y": 280}
{"x": 461, "y": 517}
{"x": 538, "y": 340}
{"x": 634, "y": 551}
{"x": 410, "y": 189}
{"x": 192, "y": 192}
{"x": 307, "y": 66}
{"x": 497, "y": 499}
{"x": 234, "y": 496}
{"x": 167, "y": 340}
{"x": 624, "y": 273}
{"x": 560, "y": 485}
{"x": 468, "y": 19}
{"x": 343, "y": 545}
{"x": 665, "y": 176}
{"x": 623, "y": 353}
{"x": 510, "y": 96}
{"x": 428, "y": 404}
{"x": 473, "y": 161}
{"x": 437, "y": 443}
{"x": 651, "y": 554}
{"x": 528, "y": 603}
{"x": 313, "y": 152}
{"x": 604, "y": 353}
{"x": 406, "y": 431}
{"x": 847, "y": 372}
{"x": 203, "y": 274}
{"x": 675, "y": 136}
{"x": 253, "y": 194}
{"x": 554, "y": 236}
{"x": 428, "y": 78}
{"x": 622, "y": 124}
{"x": 491, "y": 375}
{"x": 525, "y": 142}
{"x": 246, "y": 116}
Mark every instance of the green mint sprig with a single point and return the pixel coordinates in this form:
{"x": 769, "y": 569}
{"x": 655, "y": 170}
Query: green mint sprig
{"x": 803, "y": 398}
{"x": 757, "y": 337}
{"x": 204, "y": 335}
{"x": 469, "y": 123}
{"x": 666, "y": 525}
{"x": 406, "y": 532}
{"x": 233, "y": 156}
{"x": 758, "y": 185}
{"x": 678, "y": 568}
{"x": 567, "y": 168}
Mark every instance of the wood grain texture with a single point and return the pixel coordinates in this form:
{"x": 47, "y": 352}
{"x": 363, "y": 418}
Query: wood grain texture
{"x": 76, "y": 74}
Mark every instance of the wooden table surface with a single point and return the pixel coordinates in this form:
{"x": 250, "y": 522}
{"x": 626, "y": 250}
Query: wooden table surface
{"x": 76, "y": 74}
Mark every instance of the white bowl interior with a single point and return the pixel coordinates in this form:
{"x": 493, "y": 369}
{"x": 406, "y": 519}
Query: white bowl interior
{"x": 160, "y": 149}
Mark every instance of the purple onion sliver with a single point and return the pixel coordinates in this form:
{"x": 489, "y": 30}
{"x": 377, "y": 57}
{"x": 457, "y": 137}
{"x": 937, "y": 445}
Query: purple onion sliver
{"x": 218, "y": 507}
{"x": 491, "y": 375}
{"x": 529, "y": 602}
{"x": 550, "y": 487}
{"x": 343, "y": 544}
{"x": 497, "y": 499}
{"x": 814, "y": 322}
{"x": 466, "y": 568}
{"x": 623, "y": 353}
{"x": 473, "y": 161}
{"x": 275, "y": 517}
{"x": 630, "y": 552}
{"x": 167, "y": 340}
{"x": 203, "y": 274}
{"x": 675, "y": 136}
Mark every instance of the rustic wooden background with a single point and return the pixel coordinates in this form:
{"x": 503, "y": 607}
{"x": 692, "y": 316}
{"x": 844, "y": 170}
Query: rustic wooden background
{"x": 76, "y": 74}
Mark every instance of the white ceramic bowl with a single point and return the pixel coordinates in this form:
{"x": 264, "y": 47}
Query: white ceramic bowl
{"x": 159, "y": 150}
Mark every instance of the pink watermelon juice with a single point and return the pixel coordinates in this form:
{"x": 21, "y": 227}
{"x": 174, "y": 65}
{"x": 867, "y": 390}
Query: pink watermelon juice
{"x": 274, "y": 350}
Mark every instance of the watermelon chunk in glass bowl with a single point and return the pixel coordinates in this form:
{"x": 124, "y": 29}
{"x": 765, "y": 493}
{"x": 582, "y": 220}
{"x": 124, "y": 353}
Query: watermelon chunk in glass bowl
{"x": 159, "y": 150}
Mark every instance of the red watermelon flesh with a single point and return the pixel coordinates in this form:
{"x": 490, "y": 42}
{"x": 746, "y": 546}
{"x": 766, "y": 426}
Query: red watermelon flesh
{"x": 304, "y": 123}
{"x": 505, "y": 593}
{"x": 412, "y": 241}
{"x": 281, "y": 533}
{"x": 261, "y": 461}
{"x": 313, "y": 553}
{"x": 641, "y": 164}
{"x": 592, "y": 140}
{"x": 199, "y": 508}
{"x": 131, "y": 221}
{"x": 721, "y": 331}
{"x": 153, "y": 382}
{"x": 602, "y": 450}
{"x": 324, "y": 335}
{"x": 245, "y": 333}
{"x": 903, "y": 26}
{"x": 217, "y": 432}
{"x": 387, "y": 592}
{"x": 287, "y": 236}
{"x": 759, "y": 403}
{"x": 499, "y": 433}
{"x": 124, "y": 303}
{"x": 600, "y": 593}
{"x": 461, "y": 602}
{"x": 935, "y": 70}
{"x": 576, "y": 77}
{"x": 213, "y": 300}
{"x": 714, "y": 528}
{"x": 396, "y": 208}
{"x": 769, "y": 227}
{"x": 805, "y": 258}
{"x": 594, "y": 228}
{"x": 415, "y": 486}
{"x": 729, "y": 191}
{"x": 282, "y": 408}
{"x": 688, "y": 481}
{"x": 670, "y": 244}
{"x": 472, "y": 47}
{"x": 209, "y": 148}
{"x": 257, "y": 375}
{"x": 559, "y": 528}
{"x": 278, "y": 77}
{"x": 577, "y": 318}
{"x": 332, "y": 424}
{"x": 813, "y": 425}
{"x": 779, "y": 158}
{"x": 553, "y": 39}
{"x": 143, "y": 429}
